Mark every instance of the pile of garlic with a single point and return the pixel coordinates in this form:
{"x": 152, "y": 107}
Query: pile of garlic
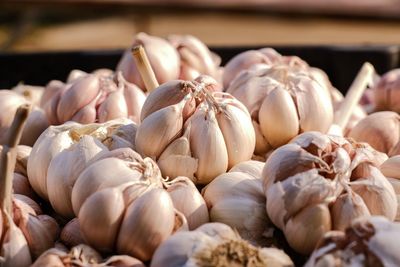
{"x": 174, "y": 160}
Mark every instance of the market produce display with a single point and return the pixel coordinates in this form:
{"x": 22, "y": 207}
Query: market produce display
{"x": 175, "y": 160}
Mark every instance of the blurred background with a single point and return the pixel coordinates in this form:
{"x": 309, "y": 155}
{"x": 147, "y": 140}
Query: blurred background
{"x": 55, "y": 25}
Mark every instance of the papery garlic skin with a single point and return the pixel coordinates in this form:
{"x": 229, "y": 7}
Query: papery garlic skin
{"x": 162, "y": 56}
{"x": 380, "y": 130}
{"x": 237, "y": 199}
{"x": 318, "y": 183}
{"x": 193, "y": 121}
{"x": 365, "y": 242}
{"x": 214, "y": 244}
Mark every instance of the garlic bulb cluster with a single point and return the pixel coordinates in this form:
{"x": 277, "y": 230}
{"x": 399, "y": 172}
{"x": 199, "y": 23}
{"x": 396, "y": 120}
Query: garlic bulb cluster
{"x": 195, "y": 58}
{"x": 163, "y": 58}
{"x": 319, "y": 183}
{"x": 182, "y": 120}
{"x": 366, "y": 242}
{"x": 39, "y": 230}
{"x": 122, "y": 206}
{"x": 62, "y": 152}
{"x": 386, "y": 92}
{"x": 83, "y": 255}
{"x": 93, "y": 98}
{"x": 283, "y": 102}
{"x": 35, "y": 125}
{"x": 391, "y": 169}
{"x": 215, "y": 244}
{"x": 237, "y": 199}
{"x": 380, "y": 130}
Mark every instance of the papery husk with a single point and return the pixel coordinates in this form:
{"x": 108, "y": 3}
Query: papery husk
{"x": 369, "y": 241}
{"x": 215, "y": 244}
{"x": 188, "y": 201}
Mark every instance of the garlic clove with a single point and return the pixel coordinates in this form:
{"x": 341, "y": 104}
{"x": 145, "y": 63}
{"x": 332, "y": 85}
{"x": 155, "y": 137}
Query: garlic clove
{"x": 86, "y": 114}
{"x": 314, "y": 106}
{"x": 35, "y": 125}
{"x": 122, "y": 261}
{"x": 71, "y": 234}
{"x": 149, "y": 220}
{"x": 278, "y": 117}
{"x": 176, "y": 160}
{"x": 391, "y": 167}
{"x": 51, "y": 89}
{"x": 262, "y": 145}
{"x": 238, "y": 134}
{"x": 303, "y": 237}
{"x": 75, "y": 75}
{"x": 252, "y": 167}
{"x": 346, "y": 208}
{"x": 21, "y": 186}
{"x": 188, "y": 201}
{"x": 65, "y": 168}
{"x": 169, "y": 121}
{"x": 23, "y": 153}
{"x": 205, "y": 134}
{"x": 113, "y": 107}
{"x": 110, "y": 202}
{"x": 33, "y": 207}
{"x": 72, "y": 100}
{"x": 377, "y": 193}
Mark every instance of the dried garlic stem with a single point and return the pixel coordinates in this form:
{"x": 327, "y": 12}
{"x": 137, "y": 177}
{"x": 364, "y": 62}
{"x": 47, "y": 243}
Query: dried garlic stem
{"x": 353, "y": 96}
{"x": 144, "y": 67}
{"x": 8, "y": 157}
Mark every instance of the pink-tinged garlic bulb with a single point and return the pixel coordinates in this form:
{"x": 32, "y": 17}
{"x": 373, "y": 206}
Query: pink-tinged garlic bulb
{"x": 62, "y": 152}
{"x": 237, "y": 199}
{"x": 215, "y": 244}
{"x": 40, "y": 231}
{"x": 319, "y": 183}
{"x": 247, "y": 59}
{"x": 122, "y": 206}
{"x": 35, "y": 125}
{"x": 380, "y": 130}
{"x": 386, "y": 92}
{"x": 366, "y": 242}
{"x": 83, "y": 255}
{"x": 283, "y": 102}
{"x": 163, "y": 58}
{"x": 195, "y": 58}
{"x": 94, "y": 98}
{"x": 194, "y": 132}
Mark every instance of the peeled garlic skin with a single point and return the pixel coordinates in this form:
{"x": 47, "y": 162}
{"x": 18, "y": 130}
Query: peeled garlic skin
{"x": 387, "y": 93}
{"x": 163, "y": 58}
{"x": 379, "y": 129}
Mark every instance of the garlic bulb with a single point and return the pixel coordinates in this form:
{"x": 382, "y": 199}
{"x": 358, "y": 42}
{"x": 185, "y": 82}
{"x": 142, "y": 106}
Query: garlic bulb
{"x": 77, "y": 144}
{"x": 319, "y": 183}
{"x": 95, "y": 97}
{"x": 83, "y": 255}
{"x": 391, "y": 169}
{"x": 386, "y": 91}
{"x": 366, "y": 242}
{"x": 182, "y": 121}
{"x": 188, "y": 201}
{"x": 215, "y": 244}
{"x": 195, "y": 58}
{"x": 283, "y": 102}
{"x": 237, "y": 199}
{"x": 380, "y": 130}
{"x": 36, "y": 123}
{"x": 40, "y": 231}
{"x": 122, "y": 206}
{"x": 247, "y": 59}
{"x": 163, "y": 58}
